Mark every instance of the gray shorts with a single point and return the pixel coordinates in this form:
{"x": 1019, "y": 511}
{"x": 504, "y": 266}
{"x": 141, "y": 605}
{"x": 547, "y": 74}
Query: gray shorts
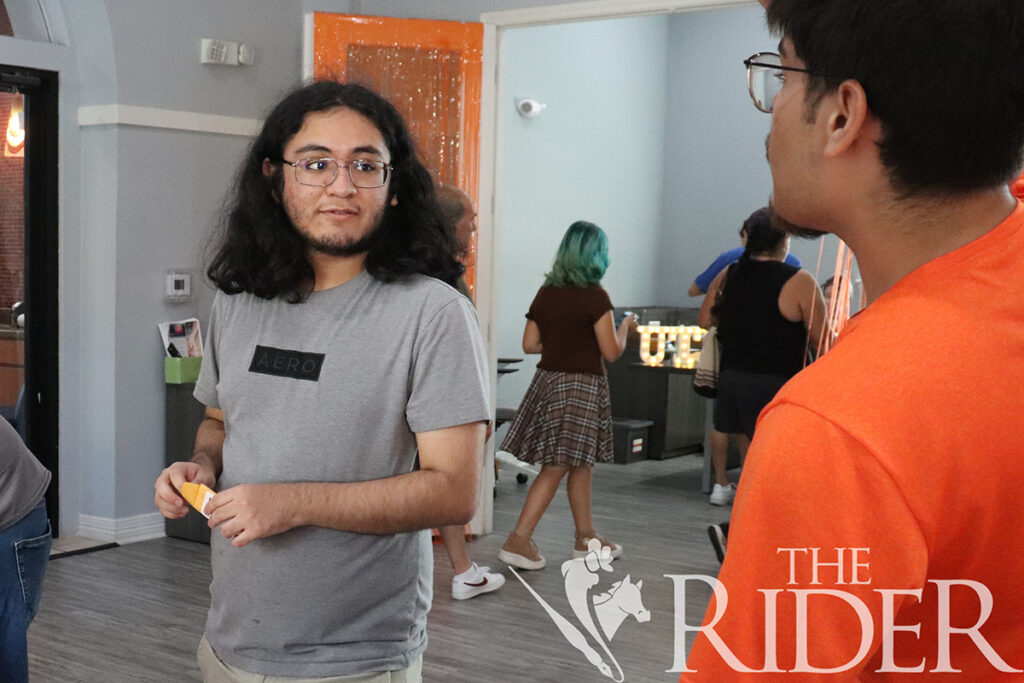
{"x": 741, "y": 398}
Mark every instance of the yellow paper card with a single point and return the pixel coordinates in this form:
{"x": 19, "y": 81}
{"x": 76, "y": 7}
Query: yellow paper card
{"x": 197, "y": 495}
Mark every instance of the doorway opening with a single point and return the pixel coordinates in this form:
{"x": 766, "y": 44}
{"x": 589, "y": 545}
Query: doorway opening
{"x": 28, "y": 264}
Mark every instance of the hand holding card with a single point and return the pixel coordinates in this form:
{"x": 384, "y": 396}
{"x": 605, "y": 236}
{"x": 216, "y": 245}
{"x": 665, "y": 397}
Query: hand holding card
{"x": 197, "y": 495}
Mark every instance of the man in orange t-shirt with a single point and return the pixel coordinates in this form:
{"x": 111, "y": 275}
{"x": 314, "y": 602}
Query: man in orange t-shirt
{"x": 873, "y": 535}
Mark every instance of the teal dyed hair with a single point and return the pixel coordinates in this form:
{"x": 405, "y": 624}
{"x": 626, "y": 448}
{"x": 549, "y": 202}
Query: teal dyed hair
{"x": 582, "y": 257}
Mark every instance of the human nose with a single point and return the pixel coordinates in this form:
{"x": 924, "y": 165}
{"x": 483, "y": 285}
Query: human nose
{"x": 342, "y": 184}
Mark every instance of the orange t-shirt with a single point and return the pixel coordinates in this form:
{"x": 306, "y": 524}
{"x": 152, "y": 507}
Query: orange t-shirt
{"x": 902, "y": 447}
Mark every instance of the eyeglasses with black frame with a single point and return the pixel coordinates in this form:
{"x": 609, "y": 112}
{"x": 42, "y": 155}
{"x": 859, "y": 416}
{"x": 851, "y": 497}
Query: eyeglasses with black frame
{"x": 322, "y": 171}
{"x": 765, "y": 78}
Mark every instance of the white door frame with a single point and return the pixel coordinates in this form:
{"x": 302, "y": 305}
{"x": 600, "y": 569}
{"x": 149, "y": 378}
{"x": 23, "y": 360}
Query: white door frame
{"x": 495, "y": 23}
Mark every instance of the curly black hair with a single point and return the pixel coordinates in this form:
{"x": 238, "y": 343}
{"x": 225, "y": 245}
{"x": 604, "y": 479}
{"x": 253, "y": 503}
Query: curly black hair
{"x": 259, "y": 251}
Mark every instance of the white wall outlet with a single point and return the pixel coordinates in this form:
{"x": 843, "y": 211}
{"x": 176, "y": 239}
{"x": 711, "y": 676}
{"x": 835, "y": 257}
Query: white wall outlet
{"x": 212, "y": 51}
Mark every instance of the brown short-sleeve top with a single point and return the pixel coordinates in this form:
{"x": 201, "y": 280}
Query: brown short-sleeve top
{"x": 566, "y": 317}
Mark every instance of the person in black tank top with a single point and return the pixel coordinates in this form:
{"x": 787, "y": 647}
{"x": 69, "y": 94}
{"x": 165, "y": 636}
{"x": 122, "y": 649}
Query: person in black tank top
{"x": 754, "y": 335}
{"x": 763, "y": 309}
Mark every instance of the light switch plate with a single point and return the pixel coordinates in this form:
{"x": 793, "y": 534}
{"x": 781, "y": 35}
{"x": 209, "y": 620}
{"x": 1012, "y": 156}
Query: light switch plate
{"x": 178, "y": 286}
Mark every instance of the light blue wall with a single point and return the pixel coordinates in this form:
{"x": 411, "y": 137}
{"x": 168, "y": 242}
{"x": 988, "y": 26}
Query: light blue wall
{"x": 594, "y": 154}
{"x": 715, "y": 169}
{"x": 714, "y": 165}
{"x": 665, "y": 95}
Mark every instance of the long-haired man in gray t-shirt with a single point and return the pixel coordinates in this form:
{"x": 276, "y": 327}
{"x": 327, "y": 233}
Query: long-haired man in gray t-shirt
{"x": 337, "y": 350}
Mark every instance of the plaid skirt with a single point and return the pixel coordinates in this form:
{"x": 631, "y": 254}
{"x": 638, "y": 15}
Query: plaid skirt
{"x": 564, "y": 419}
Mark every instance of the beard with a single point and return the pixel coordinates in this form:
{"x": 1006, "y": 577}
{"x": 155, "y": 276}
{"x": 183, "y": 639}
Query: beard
{"x": 334, "y": 247}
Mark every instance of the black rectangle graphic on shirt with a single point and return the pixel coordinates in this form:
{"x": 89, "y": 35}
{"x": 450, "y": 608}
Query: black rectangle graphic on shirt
{"x": 286, "y": 363}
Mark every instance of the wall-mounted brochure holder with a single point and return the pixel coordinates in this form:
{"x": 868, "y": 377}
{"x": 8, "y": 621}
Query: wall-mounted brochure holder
{"x": 182, "y": 370}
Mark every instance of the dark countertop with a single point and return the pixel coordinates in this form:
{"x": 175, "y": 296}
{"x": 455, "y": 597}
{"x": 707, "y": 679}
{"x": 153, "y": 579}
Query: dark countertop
{"x": 665, "y": 367}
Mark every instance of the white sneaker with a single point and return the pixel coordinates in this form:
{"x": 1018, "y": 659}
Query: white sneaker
{"x": 723, "y": 495}
{"x": 475, "y": 581}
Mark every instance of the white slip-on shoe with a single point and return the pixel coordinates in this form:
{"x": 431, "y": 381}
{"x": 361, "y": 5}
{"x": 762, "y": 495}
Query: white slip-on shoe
{"x": 521, "y": 553}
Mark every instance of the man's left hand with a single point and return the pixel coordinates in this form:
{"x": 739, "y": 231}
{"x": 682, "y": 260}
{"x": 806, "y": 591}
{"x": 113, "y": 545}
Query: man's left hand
{"x": 250, "y": 511}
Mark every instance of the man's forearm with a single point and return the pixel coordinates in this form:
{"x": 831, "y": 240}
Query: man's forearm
{"x": 209, "y": 445}
{"x": 442, "y": 492}
{"x": 418, "y": 500}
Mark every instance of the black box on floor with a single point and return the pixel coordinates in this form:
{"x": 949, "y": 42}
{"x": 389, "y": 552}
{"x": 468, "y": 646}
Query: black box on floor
{"x": 630, "y": 438}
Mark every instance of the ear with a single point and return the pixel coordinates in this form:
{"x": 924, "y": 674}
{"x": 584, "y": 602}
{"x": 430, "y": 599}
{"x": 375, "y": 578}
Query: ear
{"x": 269, "y": 171}
{"x": 847, "y": 117}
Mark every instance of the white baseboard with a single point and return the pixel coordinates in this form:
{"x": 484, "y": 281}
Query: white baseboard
{"x": 123, "y": 529}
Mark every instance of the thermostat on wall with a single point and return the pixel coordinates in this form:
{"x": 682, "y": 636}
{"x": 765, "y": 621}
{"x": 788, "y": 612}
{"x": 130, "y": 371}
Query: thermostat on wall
{"x": 178, "y": 286}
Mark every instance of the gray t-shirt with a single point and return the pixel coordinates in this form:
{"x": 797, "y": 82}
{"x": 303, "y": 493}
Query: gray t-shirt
{"x": 23, "y": 480}
{"x": 333, "y": 389}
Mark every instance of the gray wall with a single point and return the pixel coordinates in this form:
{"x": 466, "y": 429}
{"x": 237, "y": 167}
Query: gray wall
{"x": 135, "y": 202}
{"x": 452, "y": 10}
{"x": 156, "y": 48}
{"x": 169, "y": 190}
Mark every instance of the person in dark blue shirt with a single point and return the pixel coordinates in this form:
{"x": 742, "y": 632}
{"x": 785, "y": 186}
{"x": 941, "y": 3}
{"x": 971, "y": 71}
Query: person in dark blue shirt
{"x": 703, "y": 281}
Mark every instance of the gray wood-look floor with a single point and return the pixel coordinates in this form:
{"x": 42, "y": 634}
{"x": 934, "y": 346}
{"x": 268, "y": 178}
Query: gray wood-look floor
{"x": 135, "y": 613}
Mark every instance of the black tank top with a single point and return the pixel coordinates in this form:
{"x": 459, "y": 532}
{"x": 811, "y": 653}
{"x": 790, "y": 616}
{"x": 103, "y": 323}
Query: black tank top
{"x": 754, "y": 335}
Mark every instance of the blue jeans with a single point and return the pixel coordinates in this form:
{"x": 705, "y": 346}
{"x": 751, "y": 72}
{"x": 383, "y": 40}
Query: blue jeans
{"x": 24, "y": 551}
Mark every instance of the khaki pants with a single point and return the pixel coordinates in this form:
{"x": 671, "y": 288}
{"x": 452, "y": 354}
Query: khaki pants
{"x": 216, "y": 671}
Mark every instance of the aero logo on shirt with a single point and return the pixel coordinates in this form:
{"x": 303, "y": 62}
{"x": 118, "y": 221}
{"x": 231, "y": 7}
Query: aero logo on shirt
{"x": 267, "y": 360}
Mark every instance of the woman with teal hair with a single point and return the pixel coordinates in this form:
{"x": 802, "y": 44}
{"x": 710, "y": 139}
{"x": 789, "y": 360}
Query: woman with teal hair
{"x": 564, "y": 421}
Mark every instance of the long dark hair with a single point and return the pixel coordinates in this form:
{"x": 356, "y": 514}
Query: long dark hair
{"x": 260, "y": 252}
{"x": 763, "y": 237}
